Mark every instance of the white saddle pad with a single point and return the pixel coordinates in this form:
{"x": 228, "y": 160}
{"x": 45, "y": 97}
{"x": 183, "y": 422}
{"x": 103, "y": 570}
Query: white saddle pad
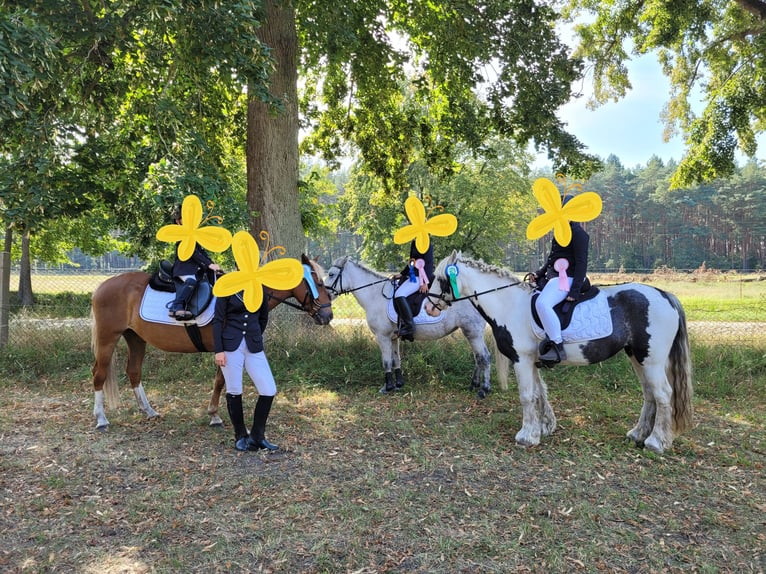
{"x": 154, "y": 308}
{"x": 420, "y": 319}
{"x": 591, "y": 320}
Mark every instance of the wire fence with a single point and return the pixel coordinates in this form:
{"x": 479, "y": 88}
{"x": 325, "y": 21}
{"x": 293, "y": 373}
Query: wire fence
{"x": 722, "y": 309}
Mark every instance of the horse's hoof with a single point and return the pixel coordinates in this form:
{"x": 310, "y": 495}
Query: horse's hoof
{"x": 482, "y": 394}
{"x": 654, "y": 446}
{"x": 385, "y": 389}
{"x": 102, "y": 428}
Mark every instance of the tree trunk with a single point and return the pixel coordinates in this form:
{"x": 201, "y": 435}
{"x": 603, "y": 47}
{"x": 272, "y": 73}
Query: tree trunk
{"x": 25, "y": 273}
{"x": 272, "y": 140}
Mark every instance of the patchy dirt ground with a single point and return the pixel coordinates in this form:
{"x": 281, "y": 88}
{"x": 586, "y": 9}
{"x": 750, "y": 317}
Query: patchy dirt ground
{"x": 423, "y": 481}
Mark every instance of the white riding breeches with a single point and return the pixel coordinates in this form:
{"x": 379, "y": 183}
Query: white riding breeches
{"x": 551, "y": 295}
{"x": 407, "y": 288}
{"x": 257, "y": 367}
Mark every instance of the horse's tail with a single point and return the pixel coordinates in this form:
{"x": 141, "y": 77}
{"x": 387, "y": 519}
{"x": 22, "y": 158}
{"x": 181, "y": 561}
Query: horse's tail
{"x": 502, "y": 365}
{"x": 111, "y": 387}
{"x": 679, "y": 372}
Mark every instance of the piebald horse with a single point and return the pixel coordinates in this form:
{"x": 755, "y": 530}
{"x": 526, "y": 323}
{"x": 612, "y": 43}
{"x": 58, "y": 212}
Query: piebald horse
{"x": 647, "y": 323}
{"x": 115, "y": 313}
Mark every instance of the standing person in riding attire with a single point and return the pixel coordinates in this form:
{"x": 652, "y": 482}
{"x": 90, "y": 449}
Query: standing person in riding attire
{"x": 187, "y": 273}
{"x": 576, "y": 256}
{"x": 416, "y": 277}
{"x": 238, "y": 344}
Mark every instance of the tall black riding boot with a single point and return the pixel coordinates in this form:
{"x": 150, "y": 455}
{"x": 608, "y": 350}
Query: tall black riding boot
{"x": 236, "y": 414}
{"x": 406, "y": 327}
{"x": 257, "y": 439}
{"x": 183, "y": 293}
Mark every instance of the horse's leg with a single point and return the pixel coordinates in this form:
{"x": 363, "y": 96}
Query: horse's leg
{"x": 661, "y": 437}
{"x": 482, "y": 361}
{"x": 544, "y": 409}
{"x": 645, "y": 422}
{"x": 102, "y": 423}
{"x": 396, "y": 364}
{"x": 529, "y": 435}
{"x": 212, "y": 407}
{"x": 386, "y": 354}
{"x": 136, "y": 352}
{"x": 104, "y": 380}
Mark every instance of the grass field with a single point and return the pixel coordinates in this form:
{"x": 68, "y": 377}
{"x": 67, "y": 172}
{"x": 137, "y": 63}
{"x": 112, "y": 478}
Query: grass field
{"x": 428, "y": 480}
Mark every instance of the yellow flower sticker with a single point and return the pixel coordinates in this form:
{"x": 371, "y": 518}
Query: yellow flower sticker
{"x": 189, "y": 233}
{"x": 280, "y": 274}
{"x": 419, "y": 229}
{"x": 583, "y": 207}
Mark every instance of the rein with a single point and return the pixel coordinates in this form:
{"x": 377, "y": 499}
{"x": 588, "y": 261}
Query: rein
{"x": 475, "y": 294}
{"x": 315, "y": 304}
{"x": 341, "y": 291}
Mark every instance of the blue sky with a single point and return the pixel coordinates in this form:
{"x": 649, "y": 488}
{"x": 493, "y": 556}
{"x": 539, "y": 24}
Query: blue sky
{"x": 631, "y": 128}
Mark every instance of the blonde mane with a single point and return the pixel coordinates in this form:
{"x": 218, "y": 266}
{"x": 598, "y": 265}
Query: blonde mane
{"x": 318, "y": 269}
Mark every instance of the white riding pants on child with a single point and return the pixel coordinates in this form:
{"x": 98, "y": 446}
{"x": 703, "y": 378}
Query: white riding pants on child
{"x": 551, "y": 295}
{"x": 407, "y": 288}
{"x": 256, "y": 365}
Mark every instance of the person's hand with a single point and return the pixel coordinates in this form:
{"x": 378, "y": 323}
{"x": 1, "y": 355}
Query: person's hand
{"x": 220, "y": 359}
{"x": 423, "y": 288}
{"x": 214, "y": 267}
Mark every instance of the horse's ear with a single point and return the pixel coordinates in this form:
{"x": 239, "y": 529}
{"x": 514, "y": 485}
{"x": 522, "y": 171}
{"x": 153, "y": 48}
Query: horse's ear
{"x": 455, "y": 255}
{"x": 304, "y": 259}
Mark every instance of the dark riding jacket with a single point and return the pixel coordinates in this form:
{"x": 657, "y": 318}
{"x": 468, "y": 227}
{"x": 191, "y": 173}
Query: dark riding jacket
{"x": 576, "y": 253}
{"x": 232, "y": 322}
{"x": 199, "y": 260}
{"x": 428, "y": 259}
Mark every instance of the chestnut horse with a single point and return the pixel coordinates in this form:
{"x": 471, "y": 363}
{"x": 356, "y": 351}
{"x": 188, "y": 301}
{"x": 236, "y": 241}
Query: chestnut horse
{"x": 115, "y": 313}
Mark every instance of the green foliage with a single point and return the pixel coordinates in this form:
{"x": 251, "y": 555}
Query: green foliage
{"x": 147, "y": 106}
{"x": 489, "y": 194}
{"x": 715, "y": 48}
{"x": 401, "y": 81}
{"x": 645, "y": 224}
{"x": 318, "y": 209}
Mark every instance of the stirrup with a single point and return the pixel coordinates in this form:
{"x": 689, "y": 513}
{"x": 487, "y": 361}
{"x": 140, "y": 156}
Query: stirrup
{"x": 182, "y": 315}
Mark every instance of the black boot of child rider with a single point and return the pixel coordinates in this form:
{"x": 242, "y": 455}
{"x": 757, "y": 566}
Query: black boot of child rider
{"x": 234, "y": 406}
{"x": 406, "y": 328}
{"x": 257, "y": 439}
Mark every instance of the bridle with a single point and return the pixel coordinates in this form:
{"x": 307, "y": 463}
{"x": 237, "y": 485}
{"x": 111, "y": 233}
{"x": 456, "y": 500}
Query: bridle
{"x": 309, "y": 303}
{"x": 336, "y": 288}
{"x": 440, "y": 298}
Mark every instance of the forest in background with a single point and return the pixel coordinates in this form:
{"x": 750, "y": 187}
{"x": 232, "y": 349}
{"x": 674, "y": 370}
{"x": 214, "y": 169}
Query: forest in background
{"x": 644, "y": 225}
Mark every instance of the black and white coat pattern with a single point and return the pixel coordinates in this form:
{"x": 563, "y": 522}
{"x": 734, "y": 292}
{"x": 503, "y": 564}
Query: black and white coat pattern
{"x": 648, "y": 324}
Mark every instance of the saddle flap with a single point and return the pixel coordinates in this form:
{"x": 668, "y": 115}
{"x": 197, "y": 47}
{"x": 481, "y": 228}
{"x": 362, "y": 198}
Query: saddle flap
{"x": 200, "y": 297}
